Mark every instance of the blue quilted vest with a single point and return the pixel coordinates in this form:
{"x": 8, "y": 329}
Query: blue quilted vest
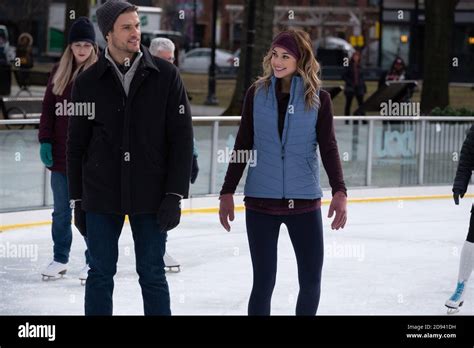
{"x": 285, "y": 168}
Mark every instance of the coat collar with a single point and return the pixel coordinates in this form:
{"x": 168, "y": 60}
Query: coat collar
{"x": 146, "y": 62}
{"x": 297, "y": 84}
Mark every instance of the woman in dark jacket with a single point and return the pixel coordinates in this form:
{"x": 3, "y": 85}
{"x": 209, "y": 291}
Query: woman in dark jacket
{"x": 285, "y": 117}
{"x": 397, "y": 72}
{"x": 355, "y": 83}
{"x": 461, "y": 181}
{"x": 80, "y": 53}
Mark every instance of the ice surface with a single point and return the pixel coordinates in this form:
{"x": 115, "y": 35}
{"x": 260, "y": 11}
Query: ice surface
{"x": 392, "y": 258}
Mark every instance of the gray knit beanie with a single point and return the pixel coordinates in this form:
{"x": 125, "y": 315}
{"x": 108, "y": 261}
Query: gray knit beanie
{"x": 107, "y": 14}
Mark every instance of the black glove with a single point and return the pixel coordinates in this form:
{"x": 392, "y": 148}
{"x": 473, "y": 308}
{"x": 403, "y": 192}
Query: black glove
{"x": 80, "y": 218}
{"x": 194, "y": 170}
{"x": 456, "y": 193}
{"x": 169, "y": 213}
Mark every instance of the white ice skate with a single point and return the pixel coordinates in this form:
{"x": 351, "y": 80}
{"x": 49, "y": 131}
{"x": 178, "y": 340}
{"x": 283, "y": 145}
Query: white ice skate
{"x": 171, "y": 265}
{"x": 83, "y": 275}
{"x": 55, "y": 270}
{"x": 457, "y": 299}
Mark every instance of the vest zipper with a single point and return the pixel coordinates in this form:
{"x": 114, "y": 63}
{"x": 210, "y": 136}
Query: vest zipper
{"x": 285, "y": 131}
{"x": 283, "y": 166}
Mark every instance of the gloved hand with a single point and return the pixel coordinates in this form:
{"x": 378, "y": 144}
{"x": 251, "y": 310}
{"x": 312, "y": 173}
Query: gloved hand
{"x": 194, "y": 170}
{"x": 80, "y": 218}
{"x": 338, "y": 205}
{"x": 226, "y": 210}
{"x": 46, "y": 154}
{"x": 169, "y": 213}
{"x": 456, "y": 193}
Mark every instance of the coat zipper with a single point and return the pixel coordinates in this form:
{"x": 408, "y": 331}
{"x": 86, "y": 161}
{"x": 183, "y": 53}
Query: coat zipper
{"x": 283, "y": 167}
{"x": 282, "y": 147}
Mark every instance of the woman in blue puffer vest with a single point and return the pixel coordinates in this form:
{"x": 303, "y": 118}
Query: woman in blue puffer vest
{"x": 285, "y": 117}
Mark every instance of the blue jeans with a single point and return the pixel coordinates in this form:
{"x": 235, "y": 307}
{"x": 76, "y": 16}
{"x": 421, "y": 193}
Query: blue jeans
{"x": 61, "y": 227}
{"x": 306, "y": 234}
{"x": 103, "y": 232}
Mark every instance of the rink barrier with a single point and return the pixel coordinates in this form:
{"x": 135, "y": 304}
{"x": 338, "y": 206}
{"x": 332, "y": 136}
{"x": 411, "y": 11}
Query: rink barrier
{"x": 429, "y": 171}
{"x": 240, "y": 208}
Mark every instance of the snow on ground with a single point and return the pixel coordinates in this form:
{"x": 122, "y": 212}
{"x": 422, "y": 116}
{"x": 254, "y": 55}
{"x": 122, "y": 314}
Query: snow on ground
{"x": 392, "y": 258}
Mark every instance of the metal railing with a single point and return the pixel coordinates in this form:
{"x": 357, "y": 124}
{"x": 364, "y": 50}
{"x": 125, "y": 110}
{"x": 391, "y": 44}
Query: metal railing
{"x": 369, "y": 158}
{"x": 370, "y": 119}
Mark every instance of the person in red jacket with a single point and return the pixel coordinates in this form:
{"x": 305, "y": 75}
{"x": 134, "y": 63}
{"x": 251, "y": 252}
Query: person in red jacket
{"x": 80, "y": 54}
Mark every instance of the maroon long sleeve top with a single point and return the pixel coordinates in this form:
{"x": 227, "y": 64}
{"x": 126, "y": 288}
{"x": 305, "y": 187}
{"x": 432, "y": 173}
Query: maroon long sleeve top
{"x": 53, "y": 128}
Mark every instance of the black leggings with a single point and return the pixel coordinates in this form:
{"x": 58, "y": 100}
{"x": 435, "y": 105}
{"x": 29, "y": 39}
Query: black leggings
{"x": 306, "y": 234}
{"x": 470, "y": 234}
{"x": 347, "y": 108}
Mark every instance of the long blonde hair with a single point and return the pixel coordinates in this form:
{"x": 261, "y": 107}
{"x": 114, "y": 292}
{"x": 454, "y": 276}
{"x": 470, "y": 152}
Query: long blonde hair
{"x": 64, "y": 73}
{"x": 307, "y": 67}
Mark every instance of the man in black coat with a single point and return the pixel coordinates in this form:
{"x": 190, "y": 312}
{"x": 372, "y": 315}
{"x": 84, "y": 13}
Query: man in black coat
{"x": 131, "y": 155}
{"x": 461, "y": 182}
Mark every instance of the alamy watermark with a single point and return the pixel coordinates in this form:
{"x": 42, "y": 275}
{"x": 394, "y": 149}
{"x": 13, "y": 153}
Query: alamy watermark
{"x": 84, "y": 109}
{"x": 37, "y": 331}
{"x": 21, "y": 251}
{"x": 391, "y": 108}
{"x": 345, "y": 250}
{"x": 237, "y": 156}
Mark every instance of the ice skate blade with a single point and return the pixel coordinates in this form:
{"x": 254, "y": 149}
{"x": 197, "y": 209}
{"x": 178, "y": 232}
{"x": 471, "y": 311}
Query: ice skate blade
{"x": 47, "y": 277}
{"x": 173, "y": 269}
{"x": 454, "y": 310}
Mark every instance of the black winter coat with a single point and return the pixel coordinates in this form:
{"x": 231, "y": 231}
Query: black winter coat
{"x": 137, "y": 148}
{"x": 466, "y": 163}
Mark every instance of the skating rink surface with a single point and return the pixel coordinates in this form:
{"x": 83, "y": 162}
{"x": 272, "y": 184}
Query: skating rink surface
{"x": 398, "y": 257}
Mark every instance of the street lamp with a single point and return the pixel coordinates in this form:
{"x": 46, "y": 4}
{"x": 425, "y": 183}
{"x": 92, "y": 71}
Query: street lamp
{"x": 250, "y": 43}
{"x": 194, "y": 23}
{"x": 211, "y": 94}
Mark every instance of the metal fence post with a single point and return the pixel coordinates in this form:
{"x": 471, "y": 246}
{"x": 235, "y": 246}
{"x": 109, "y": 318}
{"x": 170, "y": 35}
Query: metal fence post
{"x": 370, "y": 146}
{"x": 214, "y": 144}
{"x": 421, "y": 157}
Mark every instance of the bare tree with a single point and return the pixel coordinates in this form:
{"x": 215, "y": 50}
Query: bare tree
{"x": 263, "y": 20}
{"x": 437, "y": 59}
